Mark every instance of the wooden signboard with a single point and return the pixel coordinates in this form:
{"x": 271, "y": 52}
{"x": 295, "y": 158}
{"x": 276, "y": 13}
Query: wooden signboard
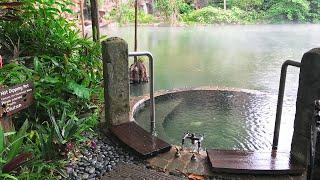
{"x": 12, "y": 100}
{"x": 16, "y": 98}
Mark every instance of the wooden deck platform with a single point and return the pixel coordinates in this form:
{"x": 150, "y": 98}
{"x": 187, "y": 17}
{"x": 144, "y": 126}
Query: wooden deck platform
{"x": 139, "y": 139}
{"x": 247, "y": 162}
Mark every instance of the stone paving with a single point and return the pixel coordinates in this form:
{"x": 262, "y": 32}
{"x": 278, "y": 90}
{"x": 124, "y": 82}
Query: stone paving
{"x": 183, "y": 164}
{"x": 168, "y": 162}
{"x": 135, "y": 172}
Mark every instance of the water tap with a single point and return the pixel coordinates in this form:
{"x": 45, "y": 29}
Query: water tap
{"x": 194, "y": 139}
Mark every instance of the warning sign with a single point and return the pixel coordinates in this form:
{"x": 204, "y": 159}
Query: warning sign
{"x": 16, "y": 98}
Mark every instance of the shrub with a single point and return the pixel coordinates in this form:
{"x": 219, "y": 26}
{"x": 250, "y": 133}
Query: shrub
{"x": 283, "y": 11}
{"x": 184, "y": 8}
{"x": 247, "y": 16}
{"x": 46, "y": 48}
{"x": 125, "y": 14}
{"x": 211, "y": 15}
{"x": 248, "y": 5}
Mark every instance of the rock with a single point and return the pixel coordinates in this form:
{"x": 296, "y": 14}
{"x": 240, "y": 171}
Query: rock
{"x": 85, "y": 176}
{"x": 91, "y": 170}
{"x": 92, "y": 176}
{"x": 69, "y": 170}
{"x": 96, "y": 162}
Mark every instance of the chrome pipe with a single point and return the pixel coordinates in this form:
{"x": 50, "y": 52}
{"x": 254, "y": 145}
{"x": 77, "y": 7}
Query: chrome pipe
{"x": 280, "y": 100}
{"x": 151, "y": 69}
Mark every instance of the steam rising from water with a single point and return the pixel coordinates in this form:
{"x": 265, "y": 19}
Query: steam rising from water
{"x": 242, "y": 56}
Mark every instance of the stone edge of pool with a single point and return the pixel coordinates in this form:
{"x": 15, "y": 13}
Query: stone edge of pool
{"x": 138, "y": 102}
{"x": 168, "y": 162}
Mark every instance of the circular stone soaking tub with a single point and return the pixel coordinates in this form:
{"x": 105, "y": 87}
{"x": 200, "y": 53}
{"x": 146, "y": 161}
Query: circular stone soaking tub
{"x": 229, "y": 119}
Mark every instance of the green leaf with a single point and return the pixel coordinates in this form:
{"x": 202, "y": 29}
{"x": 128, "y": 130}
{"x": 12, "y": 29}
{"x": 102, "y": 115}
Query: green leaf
{"x": 55, "y": 126}
{"x": 8, "y": 176}
{"x": 36, "y": 64}
{"x": 70, "y": 129}
{"x": 51, "y": 80}
{"x": 79, "y": 90}
{"x": 18, "y": 140}
{"x": 9, "y": 133}
{"x": 1, "y": 139}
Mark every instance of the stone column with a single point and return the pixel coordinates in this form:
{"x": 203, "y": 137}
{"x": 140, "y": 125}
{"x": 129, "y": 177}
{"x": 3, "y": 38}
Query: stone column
{"x": 116, "y": 80}
{"x": 308, "y": 92}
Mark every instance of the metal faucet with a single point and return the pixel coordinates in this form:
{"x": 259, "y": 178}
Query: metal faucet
{"x": 194, "y": 139}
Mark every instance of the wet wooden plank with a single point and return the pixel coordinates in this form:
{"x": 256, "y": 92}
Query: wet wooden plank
{"x": 248, "y": 162}
{"x": 139, "y": 139}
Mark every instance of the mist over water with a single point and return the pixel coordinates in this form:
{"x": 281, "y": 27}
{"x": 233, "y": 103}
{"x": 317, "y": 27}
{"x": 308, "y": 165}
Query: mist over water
{"x": 241, "y": 56}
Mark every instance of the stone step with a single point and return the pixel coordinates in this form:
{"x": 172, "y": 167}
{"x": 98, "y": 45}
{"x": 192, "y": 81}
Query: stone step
{"x": 134, "y": 172}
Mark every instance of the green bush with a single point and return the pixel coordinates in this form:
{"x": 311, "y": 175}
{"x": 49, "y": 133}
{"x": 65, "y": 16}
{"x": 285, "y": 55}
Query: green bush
{"x": 211, "y": 15}
{"x": 248, "y": 5}
{"x": 247, "y": 16}
{"x": 66, "y": 69}
{"x": 286, "y": 11}
{"x": 184, "y": 8}
{"x": 125, "y": 14}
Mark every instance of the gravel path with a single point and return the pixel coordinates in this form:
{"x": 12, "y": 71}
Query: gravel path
{"x": 101, "y": 156}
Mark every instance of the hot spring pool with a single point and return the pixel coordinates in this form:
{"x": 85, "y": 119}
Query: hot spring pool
{"x": 229, "y": 119}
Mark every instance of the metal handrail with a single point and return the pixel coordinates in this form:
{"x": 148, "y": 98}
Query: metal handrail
{"x": 280, "y": 100}
{"x": 152, "y": 107}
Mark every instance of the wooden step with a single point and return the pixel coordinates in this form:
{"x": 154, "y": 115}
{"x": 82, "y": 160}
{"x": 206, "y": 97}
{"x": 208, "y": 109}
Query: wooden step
{"x": 139, "y": 139}
{"x": 249, "y": 162}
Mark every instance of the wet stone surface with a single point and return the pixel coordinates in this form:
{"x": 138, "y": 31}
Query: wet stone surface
{"x": 177, "y": 166}
{"x": 100, "y": 157}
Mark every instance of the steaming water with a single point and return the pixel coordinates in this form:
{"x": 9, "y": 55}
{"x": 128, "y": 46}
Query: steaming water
{"x": 247, "y": 57}
{"x": 228, "y": 119}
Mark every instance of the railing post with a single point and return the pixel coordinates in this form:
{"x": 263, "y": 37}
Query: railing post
{"x": 280, "y": 100}
{"x": 152, "y": 105}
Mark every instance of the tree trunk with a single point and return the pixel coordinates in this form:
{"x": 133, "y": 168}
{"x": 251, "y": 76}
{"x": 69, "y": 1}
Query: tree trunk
{"x": 225, "y": 4}
{"x": 82, "y": 18}
{"x": 95, "y": 20}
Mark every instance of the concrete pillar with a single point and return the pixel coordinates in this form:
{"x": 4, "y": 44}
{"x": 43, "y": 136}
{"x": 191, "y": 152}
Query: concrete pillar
{"x": 308, "y": 92}
{"x": 116, "y": 80}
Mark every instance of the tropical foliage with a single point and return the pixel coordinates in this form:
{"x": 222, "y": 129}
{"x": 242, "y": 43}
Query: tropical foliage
{"x": 238, "y": 11}
{"x": 44, "y": 45}
{"x": 125, "y": 14}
